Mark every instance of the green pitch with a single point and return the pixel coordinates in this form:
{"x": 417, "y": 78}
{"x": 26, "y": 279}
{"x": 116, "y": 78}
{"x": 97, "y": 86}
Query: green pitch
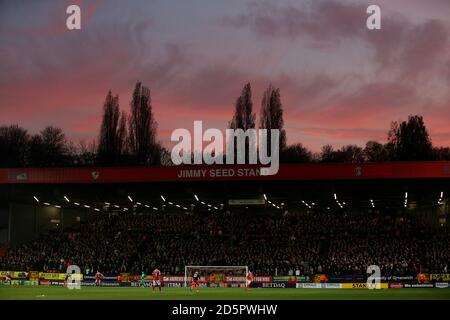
{"x": 127, "y": 293}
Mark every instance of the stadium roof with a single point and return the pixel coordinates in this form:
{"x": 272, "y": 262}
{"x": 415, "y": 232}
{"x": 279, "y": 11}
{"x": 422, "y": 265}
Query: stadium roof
{"x": 368, "y": 185}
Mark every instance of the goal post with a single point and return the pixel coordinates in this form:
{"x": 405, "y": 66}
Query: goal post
{"x": 205, "y": 272}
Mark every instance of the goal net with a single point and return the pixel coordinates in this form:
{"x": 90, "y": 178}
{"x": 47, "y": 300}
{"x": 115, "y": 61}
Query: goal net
{"x": 216, "y": 276}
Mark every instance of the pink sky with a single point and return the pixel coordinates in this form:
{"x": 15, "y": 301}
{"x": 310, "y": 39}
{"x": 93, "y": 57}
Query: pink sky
{"x": 340, "y": 83}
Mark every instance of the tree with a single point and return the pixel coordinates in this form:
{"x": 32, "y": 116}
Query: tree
{"x": 13, "y": 146}
{"x": 375, "y": 152}
{"x": 54, "y": 148}
{"x": 36, "y": 157}
{"x": 166, "y": 159}
{"x": 272, "y": 115}
{"x": 350, "y": 154}
{"x": 142, "y": 128}
{"x": 122, "y": 147}
{"x": 111, "y": 135}
{"x": 391, "y": 144}
{"x": 49, "y": 148}
{"x": 86, "y": 153}
{"x": 244, "y": 117}
{"x": 410, "y": 140}
{"x": 296, "y": 153}
{"x": 441, "y": 153}
{"x": 327, "y": 154}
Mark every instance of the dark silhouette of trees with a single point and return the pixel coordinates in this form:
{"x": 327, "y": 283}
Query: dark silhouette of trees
{"x": 143, "y": 148}
{"x": 376, "y": 152}
{"x": 392, "y": 139}
{"x": 36, "y": 158}
{"x": 271, "y": 116}
{"x": 349, "y": 153}
{"x": 165, "y": 157}
{"x": 112, "y": 132}
{"x": 13, "y": 146}
{"x": 54, "y": 147}
{"x": 122, "y": 145}
{"x": 296, "y": 153}
{"x": 327, "y": 154}
{"x": 48, "y": 148}
{"x": 132, "y": 139}
{"x": 409, "y": 140}
{"x": 244, "y": 117}
{"x": 85, "y": 154}
{"x": 441, "y": 153}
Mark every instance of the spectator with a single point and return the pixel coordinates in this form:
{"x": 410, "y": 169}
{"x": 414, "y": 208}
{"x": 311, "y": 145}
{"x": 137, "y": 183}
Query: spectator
{"x": 305, "y": 242}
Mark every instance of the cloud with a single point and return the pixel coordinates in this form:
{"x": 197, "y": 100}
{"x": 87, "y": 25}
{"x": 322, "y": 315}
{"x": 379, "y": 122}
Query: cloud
{"x": 364, "y": 105}
{"x": 425, "y": 47}
{"x": 320, "y": 21}
{"x": 338, "y": 81}
{"x": 403, "y": 46}
{"x": 347, "y": 134}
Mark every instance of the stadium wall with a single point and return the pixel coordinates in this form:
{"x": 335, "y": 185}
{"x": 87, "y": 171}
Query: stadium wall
{"x": 3, "y": 236}
{"x": 22, "y": 223}
{"x": 4, "y": 223}
{"x": 28, "y": 221}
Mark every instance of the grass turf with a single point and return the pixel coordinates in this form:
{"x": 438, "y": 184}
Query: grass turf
{"x": 131, "y": 293}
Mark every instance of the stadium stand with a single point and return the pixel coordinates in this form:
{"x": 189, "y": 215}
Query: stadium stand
{"x": 280, "y": 243}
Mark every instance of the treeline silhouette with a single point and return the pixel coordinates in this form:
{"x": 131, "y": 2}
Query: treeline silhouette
{"x": 131, "y": 139}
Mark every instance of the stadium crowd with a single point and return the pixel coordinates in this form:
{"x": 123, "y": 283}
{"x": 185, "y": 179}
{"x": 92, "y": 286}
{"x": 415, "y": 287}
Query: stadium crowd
{"x": 284, "y": 244}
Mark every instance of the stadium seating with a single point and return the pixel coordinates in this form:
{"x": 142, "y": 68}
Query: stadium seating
{"x": 316, "y": 242}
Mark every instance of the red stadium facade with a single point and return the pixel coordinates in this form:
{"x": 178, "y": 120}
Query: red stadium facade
{"x": 341, "y": 171}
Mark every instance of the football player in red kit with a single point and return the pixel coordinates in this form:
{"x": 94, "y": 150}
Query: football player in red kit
{"x": 248, "y": 279}
{"x": 156, "y": 279}
{"x": 98, "y": 279}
